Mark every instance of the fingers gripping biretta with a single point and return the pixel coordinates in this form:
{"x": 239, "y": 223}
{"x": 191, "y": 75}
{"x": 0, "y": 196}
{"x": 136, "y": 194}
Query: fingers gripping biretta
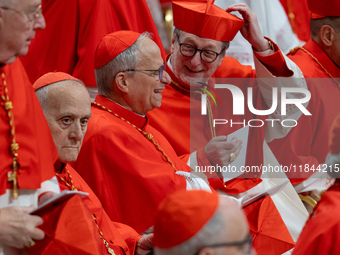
{"x": 204, "y": 19}
{"x": 334, "y": 136}
{"x": 112, "y": 45}
{"x": 182, "y": 215}
{"x": 320, "y": 9}
{"x": 52, "y": 77}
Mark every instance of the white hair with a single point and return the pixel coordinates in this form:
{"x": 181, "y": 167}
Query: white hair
{"x": 42, "y": 93}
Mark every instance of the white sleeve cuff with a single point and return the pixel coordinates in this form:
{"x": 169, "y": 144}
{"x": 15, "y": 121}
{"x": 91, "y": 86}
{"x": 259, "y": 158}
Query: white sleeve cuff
{"x": 194, "y": 182}
{"x": 50, "y": 185}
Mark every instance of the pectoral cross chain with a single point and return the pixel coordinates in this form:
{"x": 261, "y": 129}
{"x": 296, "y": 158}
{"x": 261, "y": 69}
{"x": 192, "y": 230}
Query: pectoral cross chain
{"x": 12, "y": 177}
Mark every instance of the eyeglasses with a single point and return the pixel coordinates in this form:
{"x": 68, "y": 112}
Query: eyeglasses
{"x": 159, "y": 72}
{"x": 32, "y": 16}
{"x": 208, "y": 56}
{"x": 246, "y": 243}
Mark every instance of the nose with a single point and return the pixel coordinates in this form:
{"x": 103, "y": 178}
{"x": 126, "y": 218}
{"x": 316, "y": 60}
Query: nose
{"x": 196, "y": 59}
{"x": 166, "y": 78}
{"x": 77, "y": 132}
{"x": 40, "y": 23}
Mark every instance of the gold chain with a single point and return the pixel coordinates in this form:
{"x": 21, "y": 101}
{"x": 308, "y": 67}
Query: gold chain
{"x": 67, "y": 184}
{"x": 210, "y": 114}
{"x": 109, "y": 250}
{"x": 14, "y": 146}
{"x": 322, "y": 67}
{"x": 148, "y": 136}
{"x": 211, "y": 120}
{"x": 185, "y": 89}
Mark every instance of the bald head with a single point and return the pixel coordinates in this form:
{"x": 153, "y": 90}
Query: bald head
{"x": 67, "y": 108}
{"x": 234, "y": 219}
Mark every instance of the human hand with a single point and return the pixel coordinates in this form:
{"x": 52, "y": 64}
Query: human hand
{"x": 250, "y": 30}
{"x": 314, "y": 195}
{"x": 144, "y": 245}
{"x": 219, "y": 148}
{"x": 18, "y": 228}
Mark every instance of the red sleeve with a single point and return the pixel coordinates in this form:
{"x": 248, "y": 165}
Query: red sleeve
{"x": 130, "y": 236}
{"x": 121, "y": 165}
{"x": 231, "y": 68}
{"x": 275, "y": 62}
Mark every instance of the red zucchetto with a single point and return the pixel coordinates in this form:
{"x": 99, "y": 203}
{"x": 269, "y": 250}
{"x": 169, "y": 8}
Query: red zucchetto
{"x": 204, "y": 19}
{"x": 180, "y": 216}
{"x": 53, "y": 77}
{"x": 320, "y": 9}
{"x": 112, "y": 45}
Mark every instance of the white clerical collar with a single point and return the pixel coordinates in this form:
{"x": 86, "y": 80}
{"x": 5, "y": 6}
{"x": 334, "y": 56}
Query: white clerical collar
{"x": 169, "y": 63}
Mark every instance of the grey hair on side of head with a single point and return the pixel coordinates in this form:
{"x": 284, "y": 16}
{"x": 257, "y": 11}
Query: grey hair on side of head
{"x": 128, "y": 59}
{"x": 42, "y": 96}
{"x": 316, "y": 24}
{"x": 212, "y": 231}
{"x": 42, "y": 93}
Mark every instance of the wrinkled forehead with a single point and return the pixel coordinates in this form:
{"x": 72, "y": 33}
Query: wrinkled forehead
{"x": 149, "y": 53}
{"x": 68, "y": 92}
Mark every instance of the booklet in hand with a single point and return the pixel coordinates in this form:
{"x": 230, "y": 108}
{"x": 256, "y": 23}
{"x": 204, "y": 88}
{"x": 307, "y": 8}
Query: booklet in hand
{"x": 62, "y": 196}
{"x": 269, "y": 192}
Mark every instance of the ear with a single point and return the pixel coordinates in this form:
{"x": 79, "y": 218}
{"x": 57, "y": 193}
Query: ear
{"x": 327, "y": 35}
{"x": 121, "y": 82}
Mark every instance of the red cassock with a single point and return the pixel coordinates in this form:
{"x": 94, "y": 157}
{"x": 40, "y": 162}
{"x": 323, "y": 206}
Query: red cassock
{"x": 74, "y": 29}
{"x": 122, "y": 239}
{"x": 187, "y": 134}
{"x": 321, "y": 234}
{"x": 37, "y": 152}
{"x": 307, "y": 143}
{"x": 127, "y": 172}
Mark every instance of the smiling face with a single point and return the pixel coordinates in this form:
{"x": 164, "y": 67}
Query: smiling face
{"x": 186, "y": 68}
{"x": 145, "y": 87}
{"x": 17, "y": 30}
{"x": 67, "y": 112}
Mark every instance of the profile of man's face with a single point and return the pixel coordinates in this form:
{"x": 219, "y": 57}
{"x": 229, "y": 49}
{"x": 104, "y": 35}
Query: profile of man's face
{"x": 18, "y": 28}
{"x": 145, "y": 90}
